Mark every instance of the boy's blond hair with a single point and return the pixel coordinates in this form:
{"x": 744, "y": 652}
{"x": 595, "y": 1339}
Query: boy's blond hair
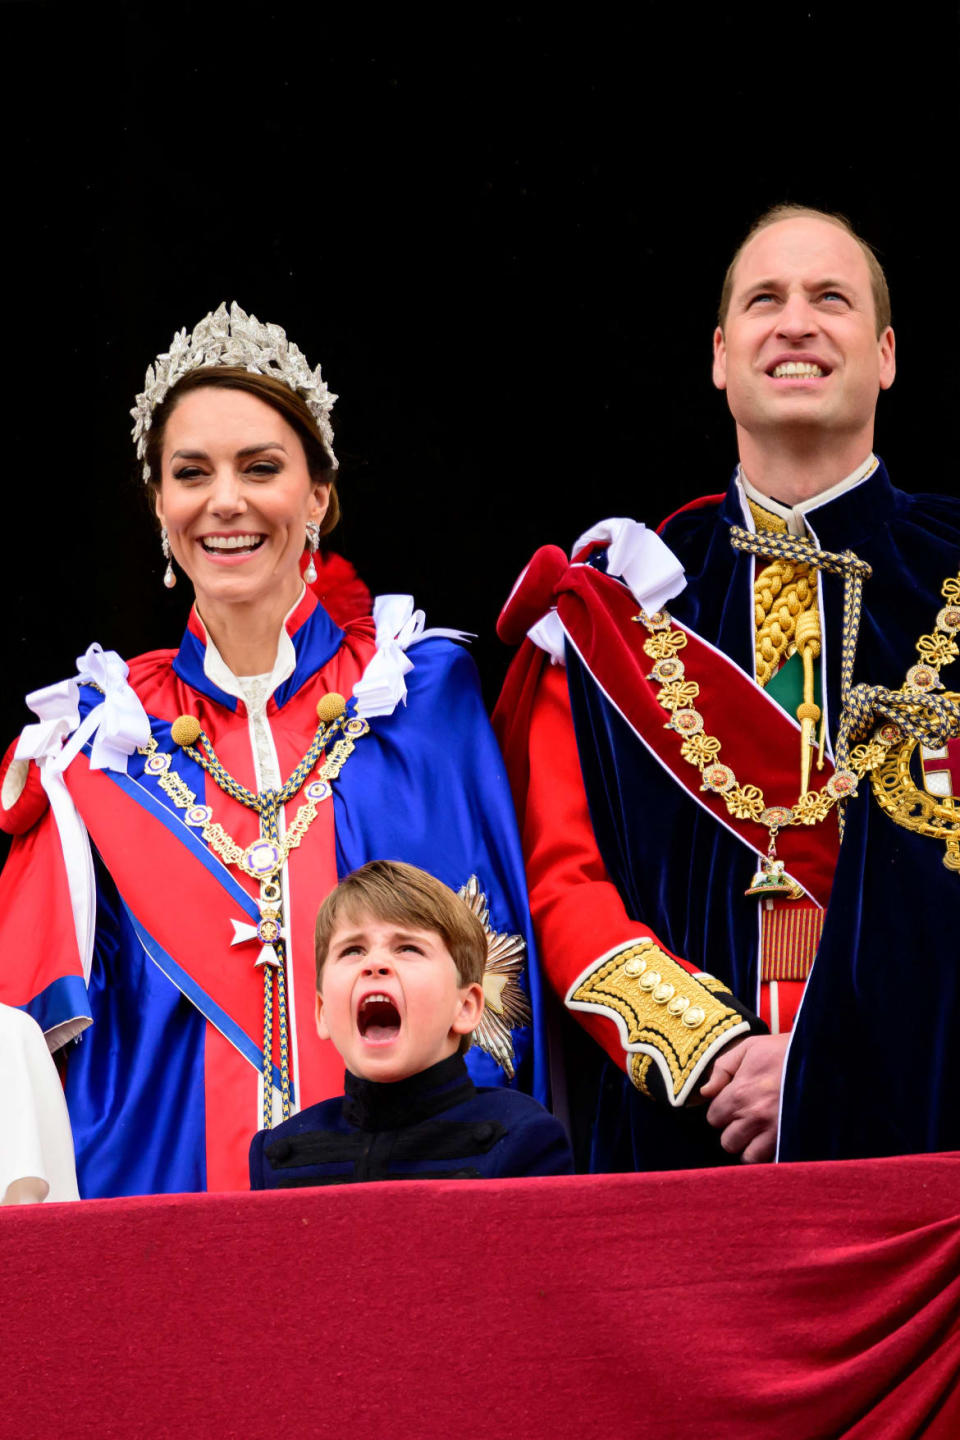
{"x": 403, "y": 895}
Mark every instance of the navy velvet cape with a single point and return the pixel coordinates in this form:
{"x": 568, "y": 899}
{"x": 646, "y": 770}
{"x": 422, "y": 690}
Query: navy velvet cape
{"x": 871, "y": 1069}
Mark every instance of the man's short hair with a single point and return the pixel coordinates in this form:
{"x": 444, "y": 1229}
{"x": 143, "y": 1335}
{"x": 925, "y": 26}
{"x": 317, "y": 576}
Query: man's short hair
{"x": 401, "y": 894}
{"x": 878, "y": 281}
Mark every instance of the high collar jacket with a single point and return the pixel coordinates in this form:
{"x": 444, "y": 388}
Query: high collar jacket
{"x": 436, "y": 1125}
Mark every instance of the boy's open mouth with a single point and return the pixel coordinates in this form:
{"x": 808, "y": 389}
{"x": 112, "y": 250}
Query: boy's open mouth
{"x": 378, "y": 1018}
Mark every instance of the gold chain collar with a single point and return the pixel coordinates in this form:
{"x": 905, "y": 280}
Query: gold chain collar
{"x": 263, "y": 859}
{"x": 677, "y": 695}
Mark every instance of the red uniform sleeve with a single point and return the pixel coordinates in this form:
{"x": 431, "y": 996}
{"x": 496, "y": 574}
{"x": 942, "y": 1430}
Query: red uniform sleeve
{"x": 656, "y": 1017}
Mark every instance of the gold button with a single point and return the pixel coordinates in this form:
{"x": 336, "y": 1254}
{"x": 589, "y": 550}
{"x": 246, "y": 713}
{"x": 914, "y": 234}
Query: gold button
{"x": 651, "y": 980}
{"x": 634, "y": 967}
{"x": 678, "y": 1004}
{"x": 663, "y": 992}
{"x": 185, "y": 730}
{"x": 694, "y": 1016}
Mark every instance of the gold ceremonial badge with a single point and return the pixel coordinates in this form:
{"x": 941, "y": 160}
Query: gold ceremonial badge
{"x": 919, "y": 788}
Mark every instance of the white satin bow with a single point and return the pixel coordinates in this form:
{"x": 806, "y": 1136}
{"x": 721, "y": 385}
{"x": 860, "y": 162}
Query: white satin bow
{"x": 640, "y": 558}
{"x": 635, "y": 555}
{"x": 381, "y": 687}
{"x": 59, "y": 715}
{"x": 118, "y": 725}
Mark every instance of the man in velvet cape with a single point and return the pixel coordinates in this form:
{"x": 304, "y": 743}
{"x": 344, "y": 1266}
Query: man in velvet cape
{"x": 668, "y": 706}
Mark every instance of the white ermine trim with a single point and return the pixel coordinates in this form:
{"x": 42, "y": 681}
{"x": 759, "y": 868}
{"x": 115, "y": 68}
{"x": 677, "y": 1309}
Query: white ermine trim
{"x": 14, "y": 783}
{"x": 547, "y": 634}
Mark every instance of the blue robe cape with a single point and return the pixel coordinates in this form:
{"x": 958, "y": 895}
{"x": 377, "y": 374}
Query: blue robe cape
{"x": 427, "y": 786}
{"x": 873, "y": 1066}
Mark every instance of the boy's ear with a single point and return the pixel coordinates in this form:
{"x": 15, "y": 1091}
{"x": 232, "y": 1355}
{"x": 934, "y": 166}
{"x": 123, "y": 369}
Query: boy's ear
{"x": 322, "y": 1030}
{"x": 471, "y": 1008}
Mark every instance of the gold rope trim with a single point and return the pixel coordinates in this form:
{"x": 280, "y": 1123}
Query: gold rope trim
{"x": 639, "y": 1067}
{"x": 782, "y": 592}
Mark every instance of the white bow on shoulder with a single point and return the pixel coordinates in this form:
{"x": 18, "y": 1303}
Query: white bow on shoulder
{"x": 381, "y": 687}
{"x": 115, "y": 728}
{"x": 635, "y": 555}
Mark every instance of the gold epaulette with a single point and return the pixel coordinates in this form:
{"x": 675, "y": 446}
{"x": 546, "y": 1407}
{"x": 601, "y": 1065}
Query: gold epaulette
{"x": 671, "y": 1023}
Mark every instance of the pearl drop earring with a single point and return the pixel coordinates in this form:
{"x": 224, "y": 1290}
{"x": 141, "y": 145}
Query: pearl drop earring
{"x": 313, "y": 542}
{"x": 169, "y": 578}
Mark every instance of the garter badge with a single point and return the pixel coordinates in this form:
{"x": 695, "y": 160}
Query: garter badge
{"x": 919, "y": 787}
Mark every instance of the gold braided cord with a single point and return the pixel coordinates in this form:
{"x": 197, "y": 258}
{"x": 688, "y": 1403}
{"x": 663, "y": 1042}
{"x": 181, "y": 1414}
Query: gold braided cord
{"x": 766, "y": 519}
{"x": 783, "y": 594}
{"x": 854, "y": 571}
{"x": 788, "y": 621}
{"x": 807, "y": 630}
{"x": 787, "y": 618}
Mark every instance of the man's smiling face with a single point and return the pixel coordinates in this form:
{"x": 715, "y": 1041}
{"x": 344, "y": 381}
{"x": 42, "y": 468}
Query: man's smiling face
{"x": 799, "y": 350}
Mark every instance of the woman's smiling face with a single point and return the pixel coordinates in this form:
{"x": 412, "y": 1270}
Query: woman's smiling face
{"x": 236, "y": 496}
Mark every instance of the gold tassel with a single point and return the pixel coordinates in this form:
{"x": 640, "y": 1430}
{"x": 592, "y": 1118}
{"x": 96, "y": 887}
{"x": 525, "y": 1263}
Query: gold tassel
{"x": 808, "y": 711}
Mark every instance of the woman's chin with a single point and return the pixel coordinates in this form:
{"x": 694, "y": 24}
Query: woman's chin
{"x": 250, "y": 582}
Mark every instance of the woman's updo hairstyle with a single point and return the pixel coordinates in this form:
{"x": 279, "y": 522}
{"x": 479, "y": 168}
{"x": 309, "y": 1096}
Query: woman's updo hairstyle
{"x": 320, "y": 463}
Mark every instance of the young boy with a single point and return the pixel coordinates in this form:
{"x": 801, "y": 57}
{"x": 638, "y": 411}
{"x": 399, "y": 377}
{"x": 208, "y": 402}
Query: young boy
{"x": 400, "y": 964}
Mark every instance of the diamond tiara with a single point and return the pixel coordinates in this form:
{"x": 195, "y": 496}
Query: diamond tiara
{"x": 238, "y": 339}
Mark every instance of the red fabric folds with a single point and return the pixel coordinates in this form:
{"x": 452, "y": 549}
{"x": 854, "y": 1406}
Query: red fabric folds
{"x": 338, "y": 587}
{"x": 792, "y": 1301}
{"x": 533, "y": 594}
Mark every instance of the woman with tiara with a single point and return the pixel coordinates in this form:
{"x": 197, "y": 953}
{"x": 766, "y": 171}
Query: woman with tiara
{"x": 179, "y": 819}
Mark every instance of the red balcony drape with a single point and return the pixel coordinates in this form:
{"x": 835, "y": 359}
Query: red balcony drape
{"x": 791, "y": 1301}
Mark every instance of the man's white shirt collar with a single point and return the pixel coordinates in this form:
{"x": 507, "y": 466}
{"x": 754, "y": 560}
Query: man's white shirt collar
{"x": 795, "y": 515}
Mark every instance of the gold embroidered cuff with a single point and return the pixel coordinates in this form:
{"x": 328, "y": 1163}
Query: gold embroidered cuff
{"x": 666, "y": 1017}
{"x": 639, "y": 1071}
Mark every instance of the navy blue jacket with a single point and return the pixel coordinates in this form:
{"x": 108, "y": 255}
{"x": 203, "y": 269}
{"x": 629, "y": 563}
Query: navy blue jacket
{"x": 432, "y": 1126}
{"x": 873, "y": 1067}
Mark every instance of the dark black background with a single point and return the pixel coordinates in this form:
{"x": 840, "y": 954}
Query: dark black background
{"x": 501, "y": 232}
